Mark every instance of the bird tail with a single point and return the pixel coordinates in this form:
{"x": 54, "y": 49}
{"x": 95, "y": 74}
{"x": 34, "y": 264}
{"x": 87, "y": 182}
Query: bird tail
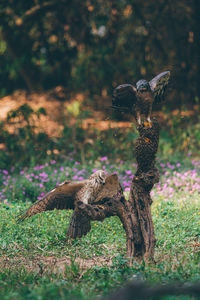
{"x": 79, "y": 225}
{"x": 37, "y": 207}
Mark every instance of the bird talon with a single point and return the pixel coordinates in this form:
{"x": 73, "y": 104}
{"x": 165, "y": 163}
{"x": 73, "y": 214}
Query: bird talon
{"x": 148, "y": 124}
{"x": 147, "y": 140}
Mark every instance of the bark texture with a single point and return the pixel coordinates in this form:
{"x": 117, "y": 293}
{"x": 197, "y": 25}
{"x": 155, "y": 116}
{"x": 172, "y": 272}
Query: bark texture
{"x": 134, "y": 214}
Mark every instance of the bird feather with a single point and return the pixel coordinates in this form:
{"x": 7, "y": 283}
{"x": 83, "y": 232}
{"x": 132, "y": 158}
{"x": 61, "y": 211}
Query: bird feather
{"x": 62, "y": 197}
{"x": 158, "y": 85}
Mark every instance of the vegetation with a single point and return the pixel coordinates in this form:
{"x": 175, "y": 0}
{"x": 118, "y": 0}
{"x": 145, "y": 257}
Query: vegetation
{"x": 89, "y": 47}
{"x": 49, "y": 43}
{"x": 27, "y": 145}
{"x": 37, "y": 262}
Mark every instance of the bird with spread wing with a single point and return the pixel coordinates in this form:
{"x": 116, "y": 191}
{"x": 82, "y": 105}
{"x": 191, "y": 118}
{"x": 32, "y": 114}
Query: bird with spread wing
{"x": 70, "y": 194}
{"x": 139, "y": 100}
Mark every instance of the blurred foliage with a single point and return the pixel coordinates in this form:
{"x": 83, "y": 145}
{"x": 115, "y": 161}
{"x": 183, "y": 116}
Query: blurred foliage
{"x": 24, "y": 144}
{"x": 94, "y": 45}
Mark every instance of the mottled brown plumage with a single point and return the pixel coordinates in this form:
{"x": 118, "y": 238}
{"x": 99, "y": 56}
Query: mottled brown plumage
{"x": 139, "y": 100}
{"x": 106, "y": 186}
{"x": 80, "y": 223}
{"x": 62, "y": 197}
{"x": 69, "y": 195}
{"x": 89, "y": 191}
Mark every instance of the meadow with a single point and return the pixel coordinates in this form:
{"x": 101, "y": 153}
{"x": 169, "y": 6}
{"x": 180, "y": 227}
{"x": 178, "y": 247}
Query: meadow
{"x": 36, "y": 261}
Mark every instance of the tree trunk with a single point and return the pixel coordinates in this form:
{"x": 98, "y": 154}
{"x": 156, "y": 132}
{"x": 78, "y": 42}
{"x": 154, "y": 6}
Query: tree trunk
{"x": 134, "y": 214}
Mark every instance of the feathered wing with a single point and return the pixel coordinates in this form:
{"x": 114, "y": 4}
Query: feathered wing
{"x": 62, "y": 197}
{"x": 80, "y": 223}
{"x": 124, "y": 97}
{"x": 69, "y": 194}
{"x": 158, "y": 85}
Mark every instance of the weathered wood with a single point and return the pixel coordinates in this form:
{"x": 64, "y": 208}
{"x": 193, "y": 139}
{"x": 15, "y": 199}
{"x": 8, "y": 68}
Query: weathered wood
{"x": 134, "y": 214}
{"x": 146, "y": 176}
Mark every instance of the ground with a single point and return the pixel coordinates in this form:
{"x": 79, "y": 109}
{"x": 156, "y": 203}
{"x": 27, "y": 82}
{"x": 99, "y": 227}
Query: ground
{"x": 35, "y": 254}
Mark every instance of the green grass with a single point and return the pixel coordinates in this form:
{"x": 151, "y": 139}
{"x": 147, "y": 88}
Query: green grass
{"x": 94, "y": 264}
{"x": 36, "y": 261}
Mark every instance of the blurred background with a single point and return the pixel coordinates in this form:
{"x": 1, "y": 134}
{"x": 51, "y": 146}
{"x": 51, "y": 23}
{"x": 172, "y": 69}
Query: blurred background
{"x": 60, "y": 61}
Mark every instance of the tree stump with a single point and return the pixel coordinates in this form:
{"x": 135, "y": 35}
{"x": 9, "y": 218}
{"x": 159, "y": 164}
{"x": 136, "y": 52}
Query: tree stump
{"x": 140, "y": 201}
{"x": 108, "y": 199}
{"x": 135, "y": 214}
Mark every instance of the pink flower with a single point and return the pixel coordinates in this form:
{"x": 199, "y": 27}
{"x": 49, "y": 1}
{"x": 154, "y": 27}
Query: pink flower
{"x": 128, "y": 172}
{"x": 43, "y": 174}
{"x": 103, "y": 158}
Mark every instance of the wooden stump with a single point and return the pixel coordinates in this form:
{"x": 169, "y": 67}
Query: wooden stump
{"x": 108, "y": 199}
{"x": 135, "y": 214}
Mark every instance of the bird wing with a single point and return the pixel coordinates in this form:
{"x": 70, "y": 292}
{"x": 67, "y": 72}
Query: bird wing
{"x": 62, "y": 197}
{"x": 124, "y": 97}
{"x": 80, "y": 223}
{"x": 158, "y": 85}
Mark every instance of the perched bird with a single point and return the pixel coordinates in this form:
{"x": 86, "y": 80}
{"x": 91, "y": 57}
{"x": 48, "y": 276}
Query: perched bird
{"x": 139, "y": 100}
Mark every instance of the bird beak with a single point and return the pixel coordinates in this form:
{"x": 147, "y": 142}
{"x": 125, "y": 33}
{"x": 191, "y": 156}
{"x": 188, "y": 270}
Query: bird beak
{"x": 104, "y": 180}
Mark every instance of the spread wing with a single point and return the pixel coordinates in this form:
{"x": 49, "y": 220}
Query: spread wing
{"x": 62, "y": 197}
{"x": 80, "y": 223}
{"x": 124, "y": 97}
{"x": 158, "y": 85}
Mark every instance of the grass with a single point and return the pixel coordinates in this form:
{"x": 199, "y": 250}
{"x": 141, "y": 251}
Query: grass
{"x": 36, "y": 261}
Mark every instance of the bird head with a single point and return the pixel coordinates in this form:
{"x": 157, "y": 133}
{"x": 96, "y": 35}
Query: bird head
{"x": 142, "y": 86}
{"x": 99, "y": 177}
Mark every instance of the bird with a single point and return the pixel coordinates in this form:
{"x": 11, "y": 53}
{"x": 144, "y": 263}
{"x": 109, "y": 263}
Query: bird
{"x": 89, "y": 191}
{"x": 139, "y": 99}
{"x": 67, "y": 194}
{"x": 80, "y": 223}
